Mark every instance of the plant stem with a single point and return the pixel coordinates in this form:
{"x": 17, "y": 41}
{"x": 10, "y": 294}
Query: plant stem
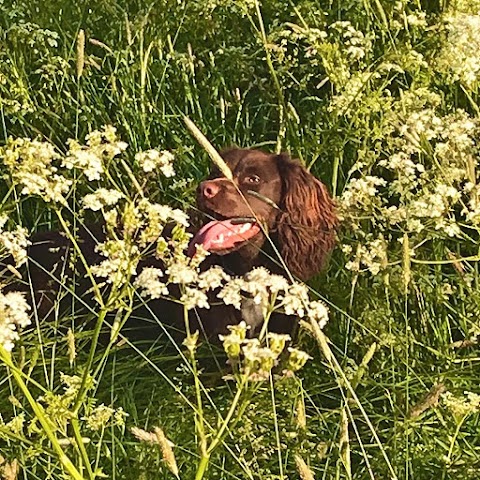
{"x": 205, "y": 458}
{"x": 282, "y": 111}
{"x": 226, "y": 421}
{"x": 452, "y": 443}
{"x": 38, "y": 411}
{"x": 199, "y": 418}
{"x": 81, "y": 447}
{"x": 82, "y": 390}
{"x": 82, "y": 258}
{"x": 322, "y": 342}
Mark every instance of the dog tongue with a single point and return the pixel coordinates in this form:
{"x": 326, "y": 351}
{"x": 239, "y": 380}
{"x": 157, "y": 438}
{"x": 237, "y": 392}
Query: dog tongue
{"x": 222, "y": 235}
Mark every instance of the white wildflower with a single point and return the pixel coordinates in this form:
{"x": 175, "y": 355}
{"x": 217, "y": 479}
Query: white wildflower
{"x": 361, "y": 191}
{"x": 462, "y": 406}
{"x": 101, "y": 146}
{"x": 295, "y": 299}
{"x": 99, "y": 417}
{"x": 193, "y": 297}
{"x": 460, "y": 55}
{"x": 258, "y": 360}
{"x": 14, "y": 242}
{"x": 101, "y": 198}
{"x": 180, "y": 272}
{"x": 417, "y": 19}
{"x": 32, "y": 166}
{"x": 121, "y": 262}
{"x": 256, "y": 283}
{"x": 150, "y": 160}
{"x": 148, "y": 281}
{"x": 213, "y": 278}
{"x": 89, "y": 162}
{"x": 318, "y": 312}
{"x": 231, "y": 292}
{"x": 297, "y": 359}
{"x": 13, "y": 316}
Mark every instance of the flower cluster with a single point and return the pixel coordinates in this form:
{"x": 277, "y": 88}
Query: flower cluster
{"x": 460, "y": 55}
{"x": 102, "y": 416}
{"x": 34, "y": 166}
{"x": 256, "y": 359}
{"x": 122, "y": 257}
{"x": 272, "y": 292}
{"x": 101, "y": 147}
{"x": 356, "y": 44}
{"x": 13, "y": 316}
{"x": 14, "y": 242}
{"x": 151, "y": 160}
{"x": 372, "y": 254}
{"x": 41, "y": 171}
{"x": 430, "y": 160}
{"x": 461, "y": 406}
{"x": 134, "y": 227}
{"x": 101, "y": 198}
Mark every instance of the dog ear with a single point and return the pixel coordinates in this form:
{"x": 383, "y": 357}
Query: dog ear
{"x": 306, "y": 227}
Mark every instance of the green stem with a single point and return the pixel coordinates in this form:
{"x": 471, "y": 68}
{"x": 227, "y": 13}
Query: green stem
{"x": 199, "y": 418}
{"x": 205, "y": 455}
{"x": 453, "y": 441}
{"x": 202, "y": 467}
{"x": 82, "y": 258}
{"x": 38, "y": 411}
{"x": 322, "y": 342}
{"x": 81, "y": 447}
{"x": 282, "y": 111}
{"x": 226, "y": 421}
{"x": 82, "y": 390}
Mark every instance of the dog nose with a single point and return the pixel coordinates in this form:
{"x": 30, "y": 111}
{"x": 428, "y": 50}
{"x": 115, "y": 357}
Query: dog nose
{"x": 209, "y": 189}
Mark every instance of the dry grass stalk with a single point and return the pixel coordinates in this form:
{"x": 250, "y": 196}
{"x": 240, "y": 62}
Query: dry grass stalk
{"x": 209, "y": 148}
{"x": 80, "y": 52}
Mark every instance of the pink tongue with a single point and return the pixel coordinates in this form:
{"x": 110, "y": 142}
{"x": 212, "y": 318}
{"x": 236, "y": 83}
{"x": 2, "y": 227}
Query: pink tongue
{"x": 222, "y": 235}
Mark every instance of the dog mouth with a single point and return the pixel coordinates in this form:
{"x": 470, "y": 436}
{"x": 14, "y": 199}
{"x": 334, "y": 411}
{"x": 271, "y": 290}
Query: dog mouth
{"x": 224, "y": 236}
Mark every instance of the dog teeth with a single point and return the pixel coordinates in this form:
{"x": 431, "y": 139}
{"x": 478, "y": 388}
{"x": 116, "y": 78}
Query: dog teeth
{"x": 245, "y": 227}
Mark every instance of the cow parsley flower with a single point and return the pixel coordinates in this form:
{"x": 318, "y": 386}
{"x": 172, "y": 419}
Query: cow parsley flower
{"x": 460, "y": 55}
{"x": 121, "y": 262}
{"x": 213, "y": 278}
{"x": 13, "y": 316}
{"x": 179, "y": 271}
{"x": 101, "y": 198}
{"x": 193, "y": 297}
{"x": 14, "y": 242}
{"x": 295, "y": 300}
{"x": 32, "y": 166}
{"x": 148, "y": 281}
{"x": 150, "y": 160}
{"x": 101, "y": 146}
{"x": 231, "y": 293}
{"x": 318, "y": 312}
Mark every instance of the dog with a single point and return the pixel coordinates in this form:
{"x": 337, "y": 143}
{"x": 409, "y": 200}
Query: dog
{"x": 274, "y": 214}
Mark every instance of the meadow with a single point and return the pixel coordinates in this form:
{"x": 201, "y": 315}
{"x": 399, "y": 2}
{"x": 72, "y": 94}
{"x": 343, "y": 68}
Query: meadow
{"x": 380, "y": 100}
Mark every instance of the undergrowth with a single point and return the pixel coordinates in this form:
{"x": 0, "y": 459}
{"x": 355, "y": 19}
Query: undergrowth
{"x": 380, "y": 100}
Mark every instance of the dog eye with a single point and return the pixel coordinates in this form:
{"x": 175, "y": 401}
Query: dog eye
{"x": 252, "y": 179}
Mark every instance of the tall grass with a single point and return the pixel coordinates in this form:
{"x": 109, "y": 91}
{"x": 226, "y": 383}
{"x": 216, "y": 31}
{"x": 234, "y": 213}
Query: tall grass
{"x": 380, "y": 99}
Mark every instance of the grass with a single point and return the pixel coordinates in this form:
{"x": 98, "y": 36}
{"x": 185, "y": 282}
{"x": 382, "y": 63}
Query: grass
{"x": 403, "y": 324}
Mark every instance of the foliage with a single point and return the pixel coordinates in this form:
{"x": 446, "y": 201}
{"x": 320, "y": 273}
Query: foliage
{"x": 380, "y": 99}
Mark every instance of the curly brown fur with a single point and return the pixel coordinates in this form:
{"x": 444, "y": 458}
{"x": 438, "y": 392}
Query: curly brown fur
{"x": 306, "y": 228}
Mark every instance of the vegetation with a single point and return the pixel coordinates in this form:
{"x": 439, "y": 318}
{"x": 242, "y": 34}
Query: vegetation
{"x": 380, "y": 100}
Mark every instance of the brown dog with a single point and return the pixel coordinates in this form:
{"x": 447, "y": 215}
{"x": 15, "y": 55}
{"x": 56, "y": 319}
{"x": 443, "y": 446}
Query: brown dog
{"x": 273, "y": 214}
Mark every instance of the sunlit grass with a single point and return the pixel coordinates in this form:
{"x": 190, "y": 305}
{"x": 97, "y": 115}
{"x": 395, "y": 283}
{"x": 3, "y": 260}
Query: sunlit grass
{"x": 404, "y": 302}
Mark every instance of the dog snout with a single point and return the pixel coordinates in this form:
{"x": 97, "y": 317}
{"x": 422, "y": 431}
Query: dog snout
{"x": 209, "y": 189}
